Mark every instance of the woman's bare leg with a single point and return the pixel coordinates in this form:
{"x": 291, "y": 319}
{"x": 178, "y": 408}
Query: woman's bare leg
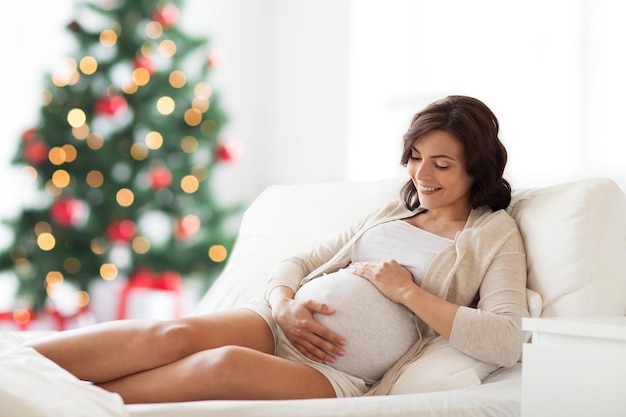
{"x": 230, "y": 372}
{"x": 112, "y": 350}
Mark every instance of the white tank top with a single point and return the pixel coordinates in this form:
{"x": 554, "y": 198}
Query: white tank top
{"x": 377, "y": 330}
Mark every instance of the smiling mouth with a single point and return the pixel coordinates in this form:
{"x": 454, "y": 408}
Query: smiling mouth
{"x": 424, "y": 188}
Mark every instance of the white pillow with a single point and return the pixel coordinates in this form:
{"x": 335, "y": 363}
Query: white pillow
{"x": 33, "y": 386}
{"x": 441, "y": 367}
{"x": 574, "y": 235}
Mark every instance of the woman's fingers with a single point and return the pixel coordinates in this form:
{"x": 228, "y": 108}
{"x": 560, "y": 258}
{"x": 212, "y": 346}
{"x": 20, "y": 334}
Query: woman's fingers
{"x": 324, "y": 332}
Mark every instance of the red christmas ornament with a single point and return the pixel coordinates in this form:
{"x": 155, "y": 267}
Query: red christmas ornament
{"x": 159, "y": 177}
{"x": 67, "y": 212}
{"x": 187, "y": 227}
{"x": 31, "y": 135}
{"x": 166, "y": 15}
{"x": 111, "y": 106}
{"x": 143, "y": 62}
{"x": 35, "y": 152}
{"x": 228, "y": 151}
{"x": 121, "y": 231}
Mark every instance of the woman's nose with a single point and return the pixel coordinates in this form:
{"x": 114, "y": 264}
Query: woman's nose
{"x": 423, "y": 172}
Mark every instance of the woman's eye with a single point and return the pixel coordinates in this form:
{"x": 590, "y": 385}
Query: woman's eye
{"x": 442, "y": 167}
{"x": 416, "y": 158}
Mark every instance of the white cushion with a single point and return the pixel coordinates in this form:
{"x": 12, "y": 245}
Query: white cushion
{"x": 33, "y": 386}
{"x": 441, "y": 367}
{"x": 575, "y": 237}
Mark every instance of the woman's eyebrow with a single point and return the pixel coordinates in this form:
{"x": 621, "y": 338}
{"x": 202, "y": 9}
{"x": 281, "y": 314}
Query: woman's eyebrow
{"x": 443, "y": 156}
{"x": 434, "y": 156}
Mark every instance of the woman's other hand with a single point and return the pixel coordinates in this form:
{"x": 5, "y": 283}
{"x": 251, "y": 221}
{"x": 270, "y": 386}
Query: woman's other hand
{"x": 396, "y": 283}
{"x": 295, "y": 318}
{"x": 391, "y": 278}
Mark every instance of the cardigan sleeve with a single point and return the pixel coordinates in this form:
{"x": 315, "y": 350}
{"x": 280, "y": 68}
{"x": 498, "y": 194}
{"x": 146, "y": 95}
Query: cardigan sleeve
{"x": 492, "y": 331}
{"x": 330, "y": 255}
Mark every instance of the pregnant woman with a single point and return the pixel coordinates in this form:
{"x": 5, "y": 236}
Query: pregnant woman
{"x": 343, "y": 319}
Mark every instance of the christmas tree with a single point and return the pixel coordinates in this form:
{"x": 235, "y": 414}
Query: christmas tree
{"x": 122, "y": 157}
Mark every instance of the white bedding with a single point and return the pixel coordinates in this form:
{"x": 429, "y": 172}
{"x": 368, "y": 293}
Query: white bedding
{"x": 33, "y": 386}
{"x": 500, "y": 397}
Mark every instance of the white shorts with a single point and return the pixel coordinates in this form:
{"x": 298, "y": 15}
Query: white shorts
{"x": 345, "y": 385}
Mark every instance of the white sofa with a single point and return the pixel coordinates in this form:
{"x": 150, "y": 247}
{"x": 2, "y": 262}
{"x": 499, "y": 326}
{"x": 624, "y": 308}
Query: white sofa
{"x": 575, "y": 235}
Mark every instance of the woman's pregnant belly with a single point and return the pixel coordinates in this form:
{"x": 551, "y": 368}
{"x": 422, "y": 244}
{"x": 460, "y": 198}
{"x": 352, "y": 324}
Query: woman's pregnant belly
{"x": 377, "y": 330}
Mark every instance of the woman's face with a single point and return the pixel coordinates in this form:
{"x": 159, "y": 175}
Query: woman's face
{"x": 437, "y": 168}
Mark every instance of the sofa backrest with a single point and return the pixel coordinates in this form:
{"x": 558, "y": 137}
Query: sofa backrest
{"x": 575, "y": 235}
{"x": 285, "y": 220}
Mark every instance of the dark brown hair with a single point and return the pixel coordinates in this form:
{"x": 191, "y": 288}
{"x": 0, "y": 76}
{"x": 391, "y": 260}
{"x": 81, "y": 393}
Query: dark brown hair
{"x": 476, "y": 127}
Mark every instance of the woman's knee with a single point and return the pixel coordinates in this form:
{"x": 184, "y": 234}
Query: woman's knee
{"x": 223, "y": 363}
{"x": 174, "y": 336}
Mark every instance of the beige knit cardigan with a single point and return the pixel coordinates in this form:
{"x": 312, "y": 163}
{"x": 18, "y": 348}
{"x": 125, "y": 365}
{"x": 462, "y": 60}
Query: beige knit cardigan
{"x": 483, "y": 271}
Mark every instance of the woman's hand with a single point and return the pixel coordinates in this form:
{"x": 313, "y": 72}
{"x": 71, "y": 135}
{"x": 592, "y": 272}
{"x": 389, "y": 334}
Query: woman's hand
{"x": 391, "y": 278}
{"x": 396, "y": 283}
{"x": 295, "y": 318}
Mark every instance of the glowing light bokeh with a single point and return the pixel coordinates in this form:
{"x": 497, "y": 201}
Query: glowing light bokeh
{"x": 141, "y": 76}
{"x": 95, "y": 141}
{"x": 125, "y": 197}
{"x": 201, "y": 104}
{"x": 95, "y": 179}
{"x": 189, "y": 184}
{"x": 166, "y": 105}
{"x": 88, "y": 65}
{"x": 177, "y": 79}
{"x": 21, "y": 316}
{"x": 108, "y": 38}
{"x": 141, "y": 244}
{"x": 82, "y": 298}
{"x": 108, "y": 272}
{"x": 56, "y": 156}
{"x": 46, "y": 241}
{"x": 154, "y": 140}
{"x": 189, "y": 144}
{"x": 153, "y": 30}
{"x": 80, "y": 132}
{"x": 218, "y": 253}
{"x": 167, "y": 48}
{"x": 203, "y": 89}
{"x": 76, "y": 117}
{"x": 129, "y": 86}
{"x": 42, "y": 227}
{"x": 193, "y": 117}
{"x": 61, "y": 178}
{"x": 54, "y": 279}
{"x": 98, "y": 246}
{"x": 139, "y": 151}
{"x": 67, "y": 75}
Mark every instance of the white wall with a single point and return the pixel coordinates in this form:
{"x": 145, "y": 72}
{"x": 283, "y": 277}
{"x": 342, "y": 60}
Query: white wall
{"x": 552, "y": 71}
{"x": 324, "y": 90}
{"x": 283, "y": 78}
